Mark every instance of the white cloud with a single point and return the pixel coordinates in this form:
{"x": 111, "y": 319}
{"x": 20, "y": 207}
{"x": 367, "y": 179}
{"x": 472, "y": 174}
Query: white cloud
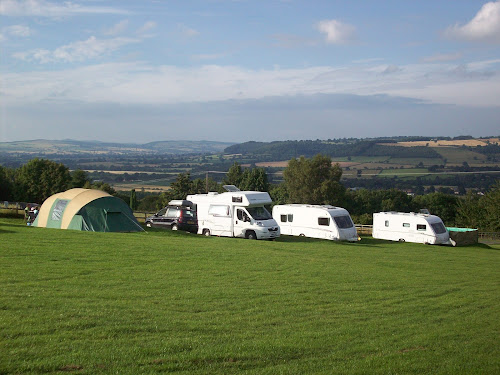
{"x": 18, "y": 30}
{"x": 136, "y": 83}
{"x": 484, "y": 27}
{"x": 149, "y": 25}
{"x": 42, "y": 8}
{"x": 440, "y": 57}
{"x": 74, "y": 52}
{"x": 336, "y": 32}
{"x": 187, "y": 32}
{"x": 118, "y": 28}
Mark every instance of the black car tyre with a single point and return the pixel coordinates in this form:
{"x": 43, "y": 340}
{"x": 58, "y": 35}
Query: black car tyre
{"x": 148, "y": 224}
{"x": 175, "y": 227}
{"x": 250, "y": 235}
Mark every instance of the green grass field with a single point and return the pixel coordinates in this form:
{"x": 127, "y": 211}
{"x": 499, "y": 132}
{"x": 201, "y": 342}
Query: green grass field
{"x": 155, "y": 302}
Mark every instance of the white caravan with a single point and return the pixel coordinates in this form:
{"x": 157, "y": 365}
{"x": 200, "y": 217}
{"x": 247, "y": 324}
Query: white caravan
{"x": 411, "y": 227}
{"x": 327, "y": 222}
{"x": 235, "y": 214}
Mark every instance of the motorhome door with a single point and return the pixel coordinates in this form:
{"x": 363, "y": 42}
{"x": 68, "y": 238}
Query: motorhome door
{"x": 241, "y": 222}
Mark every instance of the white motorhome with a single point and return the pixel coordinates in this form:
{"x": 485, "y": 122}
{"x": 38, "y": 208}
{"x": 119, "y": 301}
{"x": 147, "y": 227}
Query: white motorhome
{"x": 316, "y": 221}
{"x": 411, "y": 227}
{"x": 235, "y": 214}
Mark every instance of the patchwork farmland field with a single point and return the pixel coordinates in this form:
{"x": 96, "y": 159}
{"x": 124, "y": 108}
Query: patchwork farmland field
{"x": 160, "y": 301}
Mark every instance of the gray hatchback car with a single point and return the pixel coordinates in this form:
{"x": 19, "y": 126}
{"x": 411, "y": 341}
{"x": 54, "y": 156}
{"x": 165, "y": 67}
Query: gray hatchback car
{"x": 178, "y": 215}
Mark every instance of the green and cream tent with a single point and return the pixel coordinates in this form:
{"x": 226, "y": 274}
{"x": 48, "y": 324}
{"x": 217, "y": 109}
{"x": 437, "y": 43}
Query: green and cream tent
{"x": 88, "y": 210}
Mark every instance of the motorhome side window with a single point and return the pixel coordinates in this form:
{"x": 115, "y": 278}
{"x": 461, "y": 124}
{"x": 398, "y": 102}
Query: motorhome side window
{"x": 323, "y": 221}
{"x": 218, "y": 210}
{"x": 421, "y": 227}
{"x": 406, "y": 225}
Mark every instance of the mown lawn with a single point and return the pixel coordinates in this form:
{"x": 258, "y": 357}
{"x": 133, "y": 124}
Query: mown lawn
{"x": 155, "y": 302}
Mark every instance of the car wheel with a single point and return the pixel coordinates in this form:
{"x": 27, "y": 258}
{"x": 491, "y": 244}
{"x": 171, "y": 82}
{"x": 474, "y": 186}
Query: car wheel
{"x": 250, "y": 235}
{"x": 401, "y": 240}
{"x": 206, "y": 232}
{"x": 175, "y": 227}
{"x": 148, "y": 224}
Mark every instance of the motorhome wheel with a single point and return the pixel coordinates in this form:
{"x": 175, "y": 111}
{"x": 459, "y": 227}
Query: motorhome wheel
{"x": 401, "y": 240}
{"x": 206, "y": 232}
{"x": 250, "y": 235}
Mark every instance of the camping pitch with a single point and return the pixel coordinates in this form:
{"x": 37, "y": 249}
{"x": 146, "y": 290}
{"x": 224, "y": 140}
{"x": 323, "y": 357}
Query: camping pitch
{"x": 87, "y": 210}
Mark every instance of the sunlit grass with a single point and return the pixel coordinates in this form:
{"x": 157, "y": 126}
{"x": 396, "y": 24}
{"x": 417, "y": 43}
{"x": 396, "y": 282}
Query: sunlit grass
{"x": 166, "y": 301}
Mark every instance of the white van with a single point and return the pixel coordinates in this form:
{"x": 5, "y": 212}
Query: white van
{"x": 316, "y": 221}
{"x": 235, "y": 214}
{"x": 410, "y": 227}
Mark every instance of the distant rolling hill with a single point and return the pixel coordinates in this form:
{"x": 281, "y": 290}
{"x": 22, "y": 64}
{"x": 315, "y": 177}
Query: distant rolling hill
{"x": 69, "y": 147}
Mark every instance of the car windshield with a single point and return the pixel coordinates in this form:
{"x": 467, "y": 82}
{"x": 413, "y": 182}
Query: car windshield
{"x": 343, "y": 222}
{"x": 259, "y": 213}
{"x": 438, "y": 228}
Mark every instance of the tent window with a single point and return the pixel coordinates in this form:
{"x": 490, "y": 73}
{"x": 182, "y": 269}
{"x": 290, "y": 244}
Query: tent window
{"x": 58, "y": 210}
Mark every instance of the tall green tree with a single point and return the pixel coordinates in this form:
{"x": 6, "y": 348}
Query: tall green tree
{"x": 6, "y": 186}
{"x": 181, "y": 187}
{"x": 254, "y": 179}
{"x": 440, "y": 204}
{"x": 133, "y": 200}
{"x": 234, "y": 176}
{"x": 78, "y": 178}
{"x": 314, "y": 181}
{"x": 491, "y": 204}
{"x": 38, "y": 179}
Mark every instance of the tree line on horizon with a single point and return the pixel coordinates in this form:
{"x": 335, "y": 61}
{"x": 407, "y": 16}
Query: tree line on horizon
{"x": 306, "y": 180}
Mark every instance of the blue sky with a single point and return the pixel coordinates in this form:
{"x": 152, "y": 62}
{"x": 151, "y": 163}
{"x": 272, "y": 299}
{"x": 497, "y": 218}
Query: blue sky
{"x": 140, "y": 71}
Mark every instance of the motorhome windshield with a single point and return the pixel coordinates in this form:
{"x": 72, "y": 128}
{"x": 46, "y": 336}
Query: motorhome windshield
{"x": 438, "y": 228}
{"x": 259, "y": 213}
{"x": 343, "y": 222}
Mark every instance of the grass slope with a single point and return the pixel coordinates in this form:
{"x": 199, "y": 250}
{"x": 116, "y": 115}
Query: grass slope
{"x": 174, "y": 302}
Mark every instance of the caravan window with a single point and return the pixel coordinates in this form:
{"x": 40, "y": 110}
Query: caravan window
{"x": 218, "y": 210}
{"x": 283, "y": 218}
{"x": 343, "y": 222}
{"x": 387, "y": 223}
{"x": 324, "y": 221}
{"x": 290, "y": 218}
{"x": 439, "y": 228}
{"x": 406, "y": 225}
{"x": 421, "y": 227}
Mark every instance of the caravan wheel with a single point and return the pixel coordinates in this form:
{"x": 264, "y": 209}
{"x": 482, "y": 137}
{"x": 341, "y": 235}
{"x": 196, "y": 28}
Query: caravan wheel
{"x": 401, "y": 240}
